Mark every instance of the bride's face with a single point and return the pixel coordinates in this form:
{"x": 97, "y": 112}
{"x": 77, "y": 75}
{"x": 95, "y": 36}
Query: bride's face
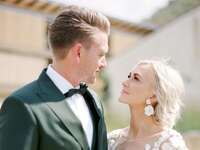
{"x": 139, "y": 86}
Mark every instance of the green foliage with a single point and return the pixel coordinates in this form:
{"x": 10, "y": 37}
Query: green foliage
{"x": 190, "y": 120}
{"x": 114, "y": 121}
{"x": 105, "y": 94}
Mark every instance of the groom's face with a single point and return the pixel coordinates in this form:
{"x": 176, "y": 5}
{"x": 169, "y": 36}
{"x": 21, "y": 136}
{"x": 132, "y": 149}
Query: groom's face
{"x": 93, "y": 59}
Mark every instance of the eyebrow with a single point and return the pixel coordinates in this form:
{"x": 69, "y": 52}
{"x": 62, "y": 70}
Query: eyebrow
{"x": 103, "y": 53}
{"x": 129, "y": 75}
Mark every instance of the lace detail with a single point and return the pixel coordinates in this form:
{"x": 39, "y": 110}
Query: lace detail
{"x": 116, "y": 137}
{"x": 168, "y": 140}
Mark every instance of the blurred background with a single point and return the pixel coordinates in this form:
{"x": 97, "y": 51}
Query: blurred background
{"x": 140, "y": 29}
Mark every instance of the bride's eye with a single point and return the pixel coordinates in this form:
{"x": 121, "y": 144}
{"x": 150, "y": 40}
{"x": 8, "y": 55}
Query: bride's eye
{"x": 136, "y": 78}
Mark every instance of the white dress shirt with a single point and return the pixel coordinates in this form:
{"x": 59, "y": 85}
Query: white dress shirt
{"x": 76, "y": 103}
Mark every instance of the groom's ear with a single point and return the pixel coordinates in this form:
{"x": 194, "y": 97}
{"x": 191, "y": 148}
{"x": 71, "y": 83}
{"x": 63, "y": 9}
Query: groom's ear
{"x": 76, "y": 51}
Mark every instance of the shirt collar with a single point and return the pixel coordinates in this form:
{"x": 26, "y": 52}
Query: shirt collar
{"x": 61, "y": 83}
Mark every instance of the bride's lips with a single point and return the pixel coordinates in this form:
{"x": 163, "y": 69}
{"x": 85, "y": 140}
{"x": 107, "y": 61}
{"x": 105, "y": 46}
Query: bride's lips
{"x": 124, "y": 91}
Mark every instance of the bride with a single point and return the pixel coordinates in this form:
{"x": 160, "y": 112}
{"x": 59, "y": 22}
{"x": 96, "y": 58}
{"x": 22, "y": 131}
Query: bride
{"x": 153, "y": 92}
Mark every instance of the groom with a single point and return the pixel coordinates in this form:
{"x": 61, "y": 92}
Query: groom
{"x": 54, "y": 112}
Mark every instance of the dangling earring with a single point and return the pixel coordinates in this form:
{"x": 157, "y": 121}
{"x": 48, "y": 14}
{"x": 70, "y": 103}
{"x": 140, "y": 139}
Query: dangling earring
{"x": 148, "y": 109}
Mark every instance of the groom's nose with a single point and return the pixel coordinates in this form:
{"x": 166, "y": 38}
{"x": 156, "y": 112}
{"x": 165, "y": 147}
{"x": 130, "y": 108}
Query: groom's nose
{"x": 103, "y": 63}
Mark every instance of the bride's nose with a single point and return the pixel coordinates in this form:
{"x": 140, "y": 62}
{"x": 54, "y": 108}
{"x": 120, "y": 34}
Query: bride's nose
{"x": 125, "y": 83}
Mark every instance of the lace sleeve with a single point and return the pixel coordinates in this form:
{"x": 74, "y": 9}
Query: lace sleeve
{"x": 174, "y": 142}
{"x": 116, "y": 137}
{"x": 112, "y": 139}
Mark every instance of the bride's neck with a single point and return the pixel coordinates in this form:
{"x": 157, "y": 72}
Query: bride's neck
{"x": 141, "y": 125}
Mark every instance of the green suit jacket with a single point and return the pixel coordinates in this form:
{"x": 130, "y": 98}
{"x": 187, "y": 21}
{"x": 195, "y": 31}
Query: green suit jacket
{"x": 37, "y": 117}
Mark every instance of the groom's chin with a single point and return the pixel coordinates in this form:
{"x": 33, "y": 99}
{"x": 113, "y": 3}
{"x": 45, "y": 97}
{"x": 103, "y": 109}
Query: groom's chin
{"x": 91, "y": 80}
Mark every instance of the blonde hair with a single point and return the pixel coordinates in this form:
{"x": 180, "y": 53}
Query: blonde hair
{"x": 75, "y": 24}
{"x": 169, "y": 91}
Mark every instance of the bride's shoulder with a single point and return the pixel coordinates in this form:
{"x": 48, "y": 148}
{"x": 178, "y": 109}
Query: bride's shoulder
{"x": 117, "y": 133}
{"x": 116, "y": 137}
{"x": 173, "y": 140}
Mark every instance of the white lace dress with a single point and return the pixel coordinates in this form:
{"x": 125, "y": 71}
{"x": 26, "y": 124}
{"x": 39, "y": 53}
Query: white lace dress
{"x": 167, "y": 140}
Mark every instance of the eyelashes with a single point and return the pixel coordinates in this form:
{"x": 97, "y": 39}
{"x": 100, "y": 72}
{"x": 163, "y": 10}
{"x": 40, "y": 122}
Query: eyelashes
{"x": 135, "y": 77}
{"x": 129, "y": 75}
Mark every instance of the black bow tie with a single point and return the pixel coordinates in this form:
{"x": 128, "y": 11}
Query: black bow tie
{"x": 81, "y": 90}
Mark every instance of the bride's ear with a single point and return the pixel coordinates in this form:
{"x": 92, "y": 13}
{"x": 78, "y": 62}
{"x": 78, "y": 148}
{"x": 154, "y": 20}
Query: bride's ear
{"x": 153, "y": 99}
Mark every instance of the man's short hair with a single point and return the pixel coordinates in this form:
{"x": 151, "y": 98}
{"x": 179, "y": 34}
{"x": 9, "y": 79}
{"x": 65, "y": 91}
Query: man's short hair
{"x": 75, "y": 24}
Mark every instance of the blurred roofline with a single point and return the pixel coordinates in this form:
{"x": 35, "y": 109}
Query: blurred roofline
{"x": 49, "y": 9}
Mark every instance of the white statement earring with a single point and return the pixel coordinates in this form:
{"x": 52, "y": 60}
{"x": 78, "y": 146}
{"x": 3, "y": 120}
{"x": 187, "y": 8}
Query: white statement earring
{"x": 148, "y": 109}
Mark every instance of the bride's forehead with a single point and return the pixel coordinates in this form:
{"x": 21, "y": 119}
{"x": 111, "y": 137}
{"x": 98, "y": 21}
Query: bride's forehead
{"x": 141, "y": 68}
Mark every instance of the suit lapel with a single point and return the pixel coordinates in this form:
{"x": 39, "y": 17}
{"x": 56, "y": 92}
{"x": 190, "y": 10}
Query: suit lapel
{"x": 98, "y": 134}
{"x": 57, "y": 102}
{"x": 101, "y": 133}
{"x": 63, "y": 111}
{"x": 90, "y": 97}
